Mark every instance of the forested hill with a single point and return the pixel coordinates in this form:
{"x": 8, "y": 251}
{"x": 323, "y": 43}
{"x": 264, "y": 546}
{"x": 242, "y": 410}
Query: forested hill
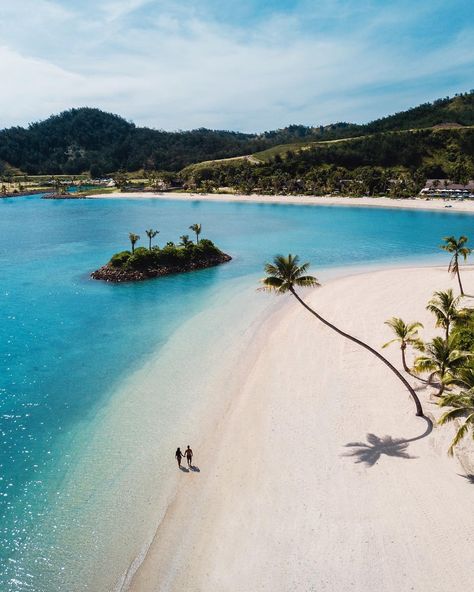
{"x": 87, "y": 139}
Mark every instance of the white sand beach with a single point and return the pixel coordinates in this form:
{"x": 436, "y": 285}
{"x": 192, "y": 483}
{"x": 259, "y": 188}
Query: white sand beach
{"x": 318, "y": 476}
{"x": 415, "y": 203}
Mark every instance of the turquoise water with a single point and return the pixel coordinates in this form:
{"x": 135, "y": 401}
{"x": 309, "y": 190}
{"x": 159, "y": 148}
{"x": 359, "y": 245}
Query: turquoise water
{"x": 82, "y": 465}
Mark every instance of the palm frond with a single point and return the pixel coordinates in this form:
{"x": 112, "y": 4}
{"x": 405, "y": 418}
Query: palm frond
{"x": 390, "y": 342}
{"x": 307, "y": 281}
{"x": 414, "y": 326}
{"x": 451, "y": 415}
{"x": 457, "y": 438}
{"x": 271, "y": 284}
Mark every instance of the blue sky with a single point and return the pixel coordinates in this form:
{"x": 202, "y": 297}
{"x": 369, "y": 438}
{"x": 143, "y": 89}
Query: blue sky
{"x": 247, "y": 65}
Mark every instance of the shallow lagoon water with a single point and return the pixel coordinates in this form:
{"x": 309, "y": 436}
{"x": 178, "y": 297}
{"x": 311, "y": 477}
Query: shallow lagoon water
{"x": 98, "y": 382}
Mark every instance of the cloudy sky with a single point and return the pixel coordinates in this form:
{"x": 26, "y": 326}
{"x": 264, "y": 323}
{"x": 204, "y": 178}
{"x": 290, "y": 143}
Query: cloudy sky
{"x": 248, "y": 65}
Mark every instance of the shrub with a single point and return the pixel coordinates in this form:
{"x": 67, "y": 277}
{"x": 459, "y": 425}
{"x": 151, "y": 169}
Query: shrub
{"x": 141, "y": 259}
{"x": 120, "y": 259}
{"x": 171, "y": 255}
{"x": 206, "y": 248}
{"x": 464, "y": 331}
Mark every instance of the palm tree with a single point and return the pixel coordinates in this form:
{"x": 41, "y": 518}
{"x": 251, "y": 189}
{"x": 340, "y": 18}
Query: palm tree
{"x": 404, "y": 335}
{"x": 284, "y": 275}
{"x": 463, "y": 407}
{"x": 151, "y": 235}
{"x": 457, "y": 248}
{"x": 444, "y": 305}
{"x": 185, "y": 242}
{"x": 442, "y": 359}
{"x": 58, "y": 186}
{"x": 197, "y": 229}
{"x": 134, "y": 238}
{"x": 464, "y": 377}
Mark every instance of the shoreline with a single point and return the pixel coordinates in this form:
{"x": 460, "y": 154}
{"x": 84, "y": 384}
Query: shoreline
{"x": 223, "y": 508}
{"x": 415, "y": 203}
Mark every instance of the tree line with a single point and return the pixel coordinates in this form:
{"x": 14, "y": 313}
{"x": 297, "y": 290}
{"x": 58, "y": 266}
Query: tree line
{"x": 90, "y": 140}
{"x": 395, "y": 164}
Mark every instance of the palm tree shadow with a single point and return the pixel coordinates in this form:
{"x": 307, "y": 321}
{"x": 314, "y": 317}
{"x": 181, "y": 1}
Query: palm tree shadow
{"x": 469, "y": 477}
{"x": 370, "y": 452}
{"x": 423, "y": 380}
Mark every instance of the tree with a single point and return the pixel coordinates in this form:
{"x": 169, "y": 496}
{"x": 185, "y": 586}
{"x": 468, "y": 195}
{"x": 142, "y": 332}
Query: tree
{"x": 463, "y": 408}
{"x": 185, "y": 242}
{"x": 444, "y": 305}
{"x": 151, "y": 235}
{"x": 58, "y": 186}
{"x": 134, "y": 238}
{"x": 404, "y": 335}
{"x": 442, "y": 359}
{"x": 285, "y": 274}
{"x": 464, "y": 377}
{"x": 120, "y": 179}
{"x": 457, "y": 248}
{"x": 197, "y": 229}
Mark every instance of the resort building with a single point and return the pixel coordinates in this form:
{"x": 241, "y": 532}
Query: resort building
{"x": 445, "y": 188}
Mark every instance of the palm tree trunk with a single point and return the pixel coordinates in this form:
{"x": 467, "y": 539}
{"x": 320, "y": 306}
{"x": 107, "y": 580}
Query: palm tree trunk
{"x": 404, "y": 362}
{"x": 419, "y": 409}
{"x": 459, "y": 281}
{"x": 150, "y": 244}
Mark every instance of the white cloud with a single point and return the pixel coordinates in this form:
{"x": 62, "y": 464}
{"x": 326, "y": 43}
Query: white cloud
{"x": 171, "y": 69}
{"x": 117, "y": 9}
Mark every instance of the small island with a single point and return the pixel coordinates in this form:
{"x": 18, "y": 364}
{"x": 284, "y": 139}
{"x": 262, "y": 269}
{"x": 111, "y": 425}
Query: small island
{"x": 142, "y": 263}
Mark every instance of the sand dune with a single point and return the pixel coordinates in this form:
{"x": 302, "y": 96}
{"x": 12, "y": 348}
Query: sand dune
{"x": 319, "y": 477}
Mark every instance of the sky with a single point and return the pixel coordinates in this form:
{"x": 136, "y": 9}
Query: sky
{"x": 244, "y": 65}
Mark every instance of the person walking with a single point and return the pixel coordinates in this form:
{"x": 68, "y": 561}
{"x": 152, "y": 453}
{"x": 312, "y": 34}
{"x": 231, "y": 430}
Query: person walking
{"x": 189, "y": 456}
{"x": 179, "y": 455}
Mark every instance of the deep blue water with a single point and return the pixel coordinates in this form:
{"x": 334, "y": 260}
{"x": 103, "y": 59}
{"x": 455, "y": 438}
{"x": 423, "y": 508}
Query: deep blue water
{"x": 67, "y": 341}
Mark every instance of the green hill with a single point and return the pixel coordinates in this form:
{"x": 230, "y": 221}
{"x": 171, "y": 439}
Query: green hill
{"x": 394, "y": 162}
{"x": 86, "y": 139}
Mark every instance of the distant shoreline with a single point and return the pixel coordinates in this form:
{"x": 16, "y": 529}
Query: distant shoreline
{"x": 415, "y": 203}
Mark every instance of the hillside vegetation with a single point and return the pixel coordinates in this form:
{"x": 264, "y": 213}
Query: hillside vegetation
{"x": 89, "y": 140}
{"x": 385, "y": 163}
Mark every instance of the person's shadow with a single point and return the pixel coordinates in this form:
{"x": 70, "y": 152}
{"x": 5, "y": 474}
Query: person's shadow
{"x": 195, "y": 469}
{"x": 369, "y": 452}
{"x": 184, "y": 469}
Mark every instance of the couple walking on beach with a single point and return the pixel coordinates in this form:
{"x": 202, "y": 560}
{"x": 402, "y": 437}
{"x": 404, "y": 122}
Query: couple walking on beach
{"x": 188, "y": 453}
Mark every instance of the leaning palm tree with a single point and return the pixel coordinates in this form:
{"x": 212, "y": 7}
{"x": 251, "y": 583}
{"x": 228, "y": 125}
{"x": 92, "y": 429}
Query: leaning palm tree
{"x": 405, "y": 334}
{"x": 463, "y": 407}
{"x": 457, "y": 248}
{"x": 151, "y": 235}
{"x": 134, "y": 238}
{"x": 197, "y": 229}
{"x": 285, "y": 274}
{"x": 442, "y": 359}
{"x": 444, "y": 305}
